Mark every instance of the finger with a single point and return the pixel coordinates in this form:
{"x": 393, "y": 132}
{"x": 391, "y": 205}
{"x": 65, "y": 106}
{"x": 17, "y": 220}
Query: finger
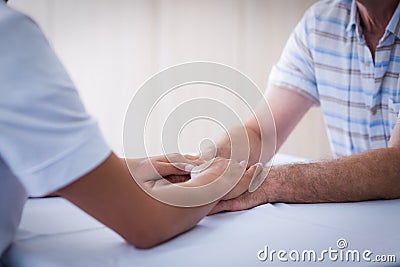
{"x": 180, "y": 168}
{"x": 187, "y": 167}
{"x": 192, "y": 157}
{"x": 178, "y": 158}
{"x": 156, "y": 183}
{"x": 200, "y": 168}
{"x": 161, "y": 182}
{"x": 172, "y": 157}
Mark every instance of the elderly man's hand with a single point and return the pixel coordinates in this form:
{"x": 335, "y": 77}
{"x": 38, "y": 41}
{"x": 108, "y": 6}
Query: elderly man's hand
{"x": 245, "y": 201}
{"x": 239, "y": 198}
{"x": 249, "y": 180}
{"x": 226, "y": 169}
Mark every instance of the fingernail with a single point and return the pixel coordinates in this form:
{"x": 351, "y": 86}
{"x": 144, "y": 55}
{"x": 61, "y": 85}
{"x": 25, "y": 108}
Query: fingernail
{"x": 254, "y": 183}
{"x": 189, "y": 167}
{"x": 258, "y": 179}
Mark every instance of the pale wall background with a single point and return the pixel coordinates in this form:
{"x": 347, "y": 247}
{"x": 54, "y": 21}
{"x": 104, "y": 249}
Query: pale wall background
{"x": 111, "y": 47}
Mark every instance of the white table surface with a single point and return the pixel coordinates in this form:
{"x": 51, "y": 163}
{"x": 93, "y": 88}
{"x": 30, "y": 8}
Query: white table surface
{"x": 53, "y": 232}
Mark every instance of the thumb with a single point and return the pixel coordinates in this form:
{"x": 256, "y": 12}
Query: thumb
{"x": 258, "y": 179}
{"x": 243, "y": 184}
{"x": 220, "y": 207}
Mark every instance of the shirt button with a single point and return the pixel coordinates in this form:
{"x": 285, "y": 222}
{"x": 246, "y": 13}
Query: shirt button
{"x": 374, "y": 110}
{"x": 366, "y": 64}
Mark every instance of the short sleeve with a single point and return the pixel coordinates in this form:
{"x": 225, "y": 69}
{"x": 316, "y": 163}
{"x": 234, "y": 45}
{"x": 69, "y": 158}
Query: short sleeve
{"x": 47, "y": 138}
{"x": 295, "y": 68}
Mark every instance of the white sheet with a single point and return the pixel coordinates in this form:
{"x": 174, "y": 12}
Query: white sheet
{"x": 55, "y": 233}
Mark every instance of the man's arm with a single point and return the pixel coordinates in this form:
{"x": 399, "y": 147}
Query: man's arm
{"x": 366, "y": 176}
{"x": 287, "y": 108}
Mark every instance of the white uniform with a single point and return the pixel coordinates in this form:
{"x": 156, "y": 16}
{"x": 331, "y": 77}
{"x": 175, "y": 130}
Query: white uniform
{"x": 47, "y": 139}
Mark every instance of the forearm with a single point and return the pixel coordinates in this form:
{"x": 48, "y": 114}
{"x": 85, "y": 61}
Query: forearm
{"x": 111, "y": 195}
{"x": 366, "y": 176}
{"x": 162, "y": 222}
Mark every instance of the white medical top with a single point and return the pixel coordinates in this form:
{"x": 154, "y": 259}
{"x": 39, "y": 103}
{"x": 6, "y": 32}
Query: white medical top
{"x": 47, "y": 139}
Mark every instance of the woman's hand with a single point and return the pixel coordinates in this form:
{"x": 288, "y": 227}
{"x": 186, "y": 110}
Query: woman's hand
{"x": 218, "y": 178}
{"x": 230, "y": 173}
{"x": 173, "y": 167}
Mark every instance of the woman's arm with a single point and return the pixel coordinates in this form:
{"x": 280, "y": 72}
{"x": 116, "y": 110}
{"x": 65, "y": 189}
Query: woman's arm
{"x": 112, "y": 196}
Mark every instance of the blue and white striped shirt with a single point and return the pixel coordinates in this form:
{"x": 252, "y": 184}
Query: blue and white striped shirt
{"x": 327, "y": 60}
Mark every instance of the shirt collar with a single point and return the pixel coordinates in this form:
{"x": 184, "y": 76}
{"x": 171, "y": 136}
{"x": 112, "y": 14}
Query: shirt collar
{"x": 392, "y": 27}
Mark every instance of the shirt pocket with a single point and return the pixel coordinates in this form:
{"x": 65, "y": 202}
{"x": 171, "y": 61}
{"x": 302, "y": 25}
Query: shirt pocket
{"x": 394, "y": 109}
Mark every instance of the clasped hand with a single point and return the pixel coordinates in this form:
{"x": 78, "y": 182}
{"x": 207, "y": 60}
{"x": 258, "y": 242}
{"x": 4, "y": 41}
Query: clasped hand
{"x": 192, "y": 171}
